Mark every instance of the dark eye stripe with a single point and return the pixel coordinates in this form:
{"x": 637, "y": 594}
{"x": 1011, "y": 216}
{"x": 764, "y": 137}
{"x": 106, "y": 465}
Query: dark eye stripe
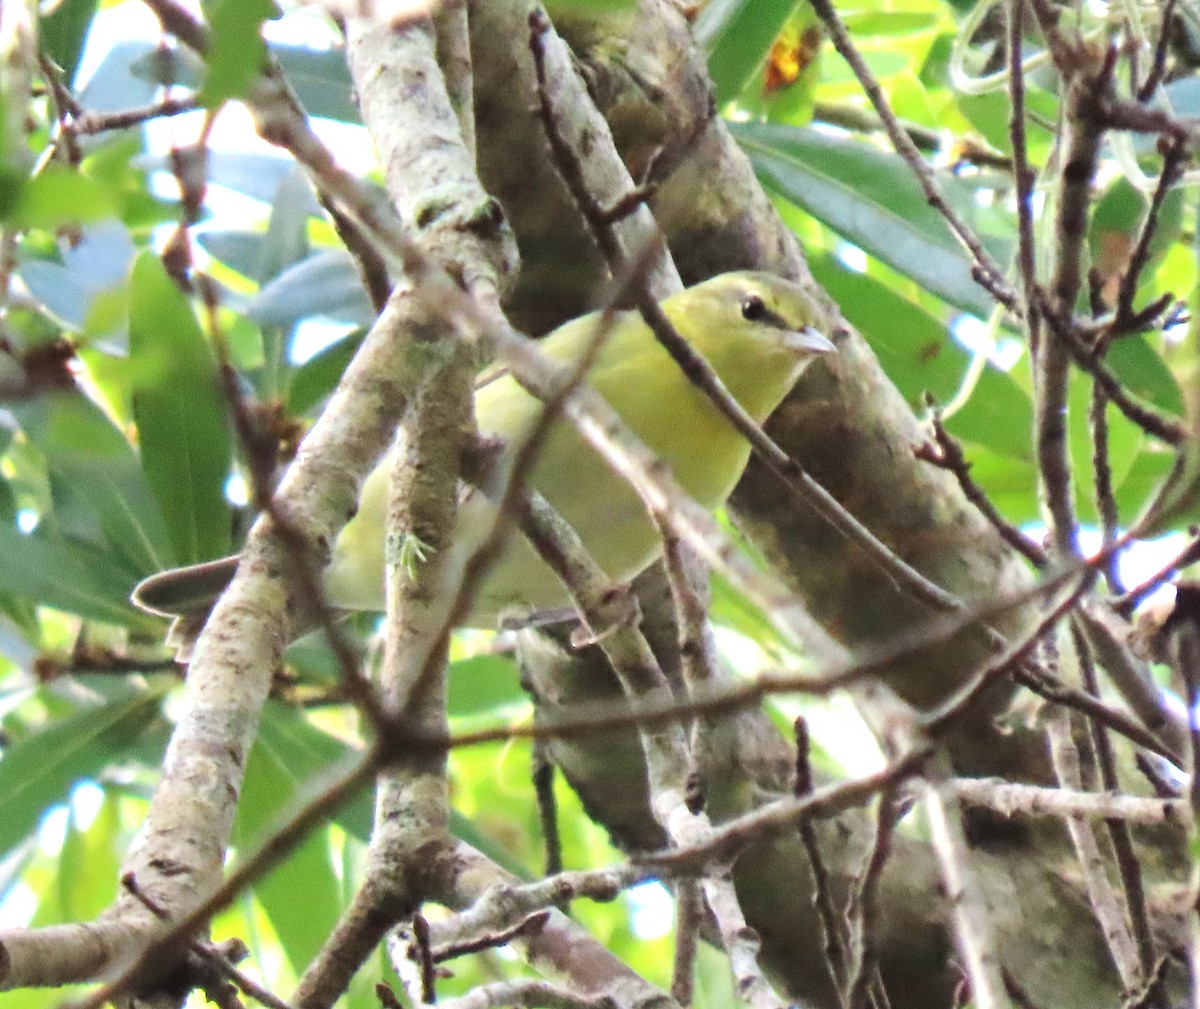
{"x": 754, "y": 309}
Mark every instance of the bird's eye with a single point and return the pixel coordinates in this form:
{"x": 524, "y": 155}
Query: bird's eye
{"x": 753, "y": 308}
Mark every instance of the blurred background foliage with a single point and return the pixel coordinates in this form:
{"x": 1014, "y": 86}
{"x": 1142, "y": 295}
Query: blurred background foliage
{"x": 117, "y": 457}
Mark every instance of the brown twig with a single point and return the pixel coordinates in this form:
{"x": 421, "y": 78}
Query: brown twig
{"x": 988, "y": 273}
{"x": 1011, "y": 662}
{"x": 966, "y": 150}
{"x": 1159, "y": 425}
{"x": 214, "y": 964}
{"x": 1085, "y": 89}
{"x": 276, "y": 848}
{"x": 862, "y": 910}
{"x": 689, "y": 909}
{"x": 65, "y": 106}
{"x": 1158, "y": 65}
{"x": 1024, "y": 175}
{"x": 1190, "y": 554}
{"x": 1106, "y": 501}
{"x": 1174, "y": 154}
{"x": 836, "y": 954}
{"x": 370, "y": 264}
{"x": 531, "y": 925}
{"x": 948, "y": 454}
{"x": 420, "y": 952}
{"x": 547, "y": 807}
{"x": 102, "y": 122}
{"x": 1128, "y": 867}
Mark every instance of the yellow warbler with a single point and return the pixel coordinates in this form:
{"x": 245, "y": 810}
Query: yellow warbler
{"x": 757, "y": 331}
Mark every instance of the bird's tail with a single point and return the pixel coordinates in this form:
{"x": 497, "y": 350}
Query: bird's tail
{"x": 182, "y": 592}
{"x": 187, "y": 594}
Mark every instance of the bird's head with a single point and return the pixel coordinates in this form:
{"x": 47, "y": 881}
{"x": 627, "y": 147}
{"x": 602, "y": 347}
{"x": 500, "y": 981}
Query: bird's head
{"x": 758, "y": 331}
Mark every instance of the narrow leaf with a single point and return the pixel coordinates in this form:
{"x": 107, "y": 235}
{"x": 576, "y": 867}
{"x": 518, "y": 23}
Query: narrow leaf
{"x": 67, "y": 574}
{"x": 180, "y": 415}
{"x": 737, "y": 35}
{"x": 237, "y": 53}
{"x": 871, "y": 198}
{"x": 89, "y": 459}
{"x": 37, "y": 772}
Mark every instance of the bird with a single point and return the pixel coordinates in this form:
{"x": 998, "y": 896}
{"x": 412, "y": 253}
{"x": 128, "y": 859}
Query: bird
{"x": 757, "y": 331}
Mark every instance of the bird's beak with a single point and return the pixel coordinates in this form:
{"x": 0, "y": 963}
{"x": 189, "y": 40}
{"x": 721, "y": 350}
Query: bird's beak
{"x": 809, "y": 341}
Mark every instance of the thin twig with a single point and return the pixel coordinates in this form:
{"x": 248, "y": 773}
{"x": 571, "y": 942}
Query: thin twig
{"x": 161, "y": 947}
{"x": 689, "y": 908}
{"x": 1106, "y": 501}
{"x": 210, "y": 959}
{"x": 1083, "y": 135}
{"x": 1158, "y": 66}
{"x": 1008, "y": 799}
{"x": 1057, "y": 692}
{"x": 528, "y": 993}
{"x": 547, "y": 807}
{"x": 1183, "y": 631}
{"x": 1106, "y": 903}
{"x": 1128, "y": 866}
{"x": 528, "y": 927}
{"x": 948, "y": 454}
{"x": 420, "y": 951}
{"x": 966, "y": 151}
{"x": 768, "y": 821}
{"x": 102, "y": 122}
{"x": 836, "y": 955}
{"x": 862, "y": 911}
{"x": 969, "y": 920}
{"x": 259, "y": 453}
{"x": 988, "y": 274}
{"x": 1024, "y": 175}
{"x": 1190, "y": 554}
{"x": 1174, "y": 154}
{"x": 1161, "y": 426}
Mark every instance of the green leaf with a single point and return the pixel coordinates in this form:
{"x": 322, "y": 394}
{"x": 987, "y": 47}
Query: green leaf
{"x": 1175, "y": 503}
{"x": 482, "y": 684}
{"x": 316, "y": 378}
{"x": 295, "y": 754}
{"x": 1143, "y": 373}
{"x": 38, "y": 771}
{"x": 309, "y": 756}
{"x": 89, "y": 459}
{"x": 237, "y": 53}
{"x": 239, "y": 250}
{"x": 325, "y": 284}
{"x": 286, "y": 240}
{"x": 62, "y": 33}
{"x": 321, "y": 81}
{"x": 287, "y": 754}
{"x": 737, "y": 35}
{"x": 918, "y": 354}
{"x": 886, "y": 23}
{"x": 587, "y": 8}
{"x": 871, "y": 198}
{"x": 180, "y": 414}
{"x": 1116, "y": 222}
{"x": 58, "y": 196}
{"x": 68, "y": 574}
{"x": 89, "y": 865}
{"x": 1162, "y": 489}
